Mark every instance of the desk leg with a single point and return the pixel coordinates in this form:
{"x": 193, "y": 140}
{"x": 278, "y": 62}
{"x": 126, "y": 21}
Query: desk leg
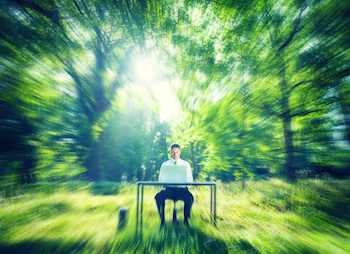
{"x": 211, "y": 200}
{"x": 215, "y": 203}
{"x": 141, "y": 205}
{"x": 137, "y": 205}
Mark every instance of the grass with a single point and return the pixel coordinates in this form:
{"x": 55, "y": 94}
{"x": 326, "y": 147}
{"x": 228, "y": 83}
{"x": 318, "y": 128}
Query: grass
{"x": 269, "y": 216}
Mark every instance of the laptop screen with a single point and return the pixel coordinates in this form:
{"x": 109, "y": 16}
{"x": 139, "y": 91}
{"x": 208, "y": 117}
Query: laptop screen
{"x": 174, "y": 174}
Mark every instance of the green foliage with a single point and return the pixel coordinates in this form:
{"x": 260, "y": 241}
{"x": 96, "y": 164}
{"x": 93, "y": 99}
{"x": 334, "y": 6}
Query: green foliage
{"x": 134, "y": 142}
{"x": 263, "y": 87}
{"x": 279, "y": 73}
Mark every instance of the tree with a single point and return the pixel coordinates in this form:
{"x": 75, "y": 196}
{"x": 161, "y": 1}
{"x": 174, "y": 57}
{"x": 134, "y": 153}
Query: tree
{"x": 254, "y": 75}
{"x": 89, "y": 40}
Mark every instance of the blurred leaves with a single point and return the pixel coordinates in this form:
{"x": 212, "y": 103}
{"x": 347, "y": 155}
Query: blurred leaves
{"x": 280, "y": 73}
{"x": 264, "y": 87}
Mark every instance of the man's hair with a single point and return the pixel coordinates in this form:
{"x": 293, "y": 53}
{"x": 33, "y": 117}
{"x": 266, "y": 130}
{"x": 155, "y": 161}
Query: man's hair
{"x": 174, "y": 145}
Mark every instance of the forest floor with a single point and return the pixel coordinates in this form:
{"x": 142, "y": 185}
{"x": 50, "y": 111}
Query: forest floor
{"x": 269, "y": 216}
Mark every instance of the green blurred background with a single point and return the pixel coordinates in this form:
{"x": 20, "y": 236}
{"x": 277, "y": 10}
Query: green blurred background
{"x": 98, "y": 90}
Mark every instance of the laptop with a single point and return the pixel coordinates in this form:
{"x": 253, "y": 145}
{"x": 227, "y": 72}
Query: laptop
{"x": 174, "y": 174}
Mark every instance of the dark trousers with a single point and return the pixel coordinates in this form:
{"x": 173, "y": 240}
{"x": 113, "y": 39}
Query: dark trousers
{"x": 174, "y": 193}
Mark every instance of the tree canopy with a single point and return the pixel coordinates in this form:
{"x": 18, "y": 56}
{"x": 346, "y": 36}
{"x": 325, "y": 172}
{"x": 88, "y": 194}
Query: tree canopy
{"x": 100, "y": 89}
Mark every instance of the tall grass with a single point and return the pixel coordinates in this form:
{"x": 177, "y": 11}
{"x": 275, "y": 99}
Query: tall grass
{"x": 269, "y": 216}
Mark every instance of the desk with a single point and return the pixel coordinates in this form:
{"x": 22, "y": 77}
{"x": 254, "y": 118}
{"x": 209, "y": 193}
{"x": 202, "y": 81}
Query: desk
{"x": 139, "y": 209}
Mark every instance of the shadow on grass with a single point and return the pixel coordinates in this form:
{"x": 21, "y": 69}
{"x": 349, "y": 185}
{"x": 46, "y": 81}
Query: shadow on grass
{"x": 43, "y": 246}
{"x": 40, "y": 211}
{"x": 106, "y": 188}
{"x": 209, "y": 244}
{"x": 180, "y": 239}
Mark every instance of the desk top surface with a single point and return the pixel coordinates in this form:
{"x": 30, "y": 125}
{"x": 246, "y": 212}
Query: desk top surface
{"x": 160, "y": 183}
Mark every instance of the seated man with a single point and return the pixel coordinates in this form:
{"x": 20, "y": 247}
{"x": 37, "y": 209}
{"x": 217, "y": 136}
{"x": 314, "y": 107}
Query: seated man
{"x": 175, "y": 192}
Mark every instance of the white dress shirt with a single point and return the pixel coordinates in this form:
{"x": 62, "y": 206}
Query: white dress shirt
{"x": 179, "y": 162}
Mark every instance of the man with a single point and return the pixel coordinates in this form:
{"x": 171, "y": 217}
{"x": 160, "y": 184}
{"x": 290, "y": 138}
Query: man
{"x": 175, "y": 192}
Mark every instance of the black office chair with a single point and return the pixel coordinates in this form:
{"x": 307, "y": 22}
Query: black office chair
{"x": 174, "y": 213}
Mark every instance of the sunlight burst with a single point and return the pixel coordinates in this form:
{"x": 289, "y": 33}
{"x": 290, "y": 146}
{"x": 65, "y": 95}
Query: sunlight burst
{"x": 149, "y": 72}
{"x": 146, "y": 70}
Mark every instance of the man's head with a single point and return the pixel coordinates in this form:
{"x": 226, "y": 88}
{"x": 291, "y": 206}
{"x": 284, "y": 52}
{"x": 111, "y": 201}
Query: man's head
{"x": 175, "y": 151}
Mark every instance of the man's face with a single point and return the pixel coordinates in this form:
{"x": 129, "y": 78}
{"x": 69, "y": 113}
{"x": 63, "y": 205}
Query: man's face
{"x": 175, "y": 153}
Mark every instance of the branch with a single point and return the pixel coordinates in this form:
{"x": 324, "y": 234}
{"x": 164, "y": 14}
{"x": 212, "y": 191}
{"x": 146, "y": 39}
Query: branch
{"x": 305, "y": 113}
{"x": 76, "y": 5}
{"x": 271, "y": 39}
{"x": 82, "y": 98}
{"x": 92, "y": 22}
{"x": 52, "y": 15}
{"x": 296, "y": 29}
{"x": 266, "y": 108}
{"x": 300, "y": 83}
{"x": 113, "y": 44}
{"x": 139, "y": 25}
{"x": 132, "y": 15}
{"x": 81, "y": 95}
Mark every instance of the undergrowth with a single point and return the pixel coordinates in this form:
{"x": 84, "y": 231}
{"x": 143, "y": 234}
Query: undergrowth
{"x": 269, "y": 216}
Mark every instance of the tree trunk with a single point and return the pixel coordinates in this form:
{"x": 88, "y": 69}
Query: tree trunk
{"x": 26, "y": 172}
{"x": 242, "y": 147}
{"x": 289, "y": 149}
{"x": 139, "y": 174}
{"x": 93, "y": 161}
{"x": 100, "y": 106}
{"x": 344, "y": 109}
{"x": 287, "y": 125}
{"x": 285, "y": 108}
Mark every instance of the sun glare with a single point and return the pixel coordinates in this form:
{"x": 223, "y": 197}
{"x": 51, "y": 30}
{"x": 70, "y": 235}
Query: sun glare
{"x": 145, "y": 70}
{"x": 149, "y": 72}
{"x": 169, "y": 105}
